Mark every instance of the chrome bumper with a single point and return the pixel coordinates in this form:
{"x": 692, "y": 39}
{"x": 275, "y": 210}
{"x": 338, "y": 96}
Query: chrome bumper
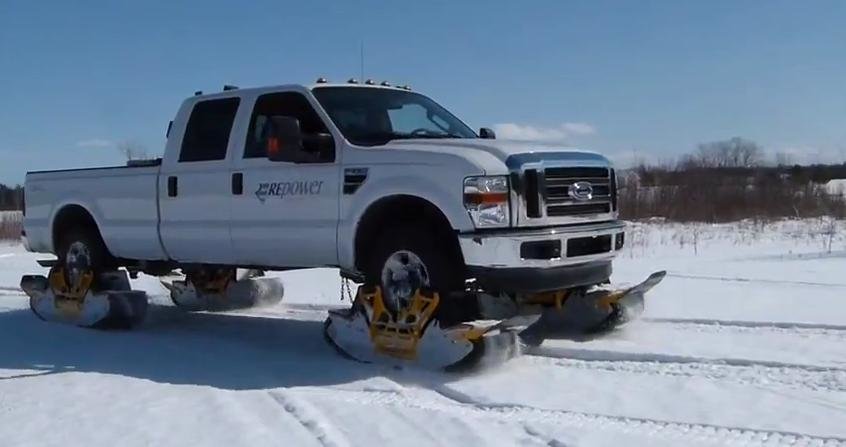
{"x": 503, "y": 249}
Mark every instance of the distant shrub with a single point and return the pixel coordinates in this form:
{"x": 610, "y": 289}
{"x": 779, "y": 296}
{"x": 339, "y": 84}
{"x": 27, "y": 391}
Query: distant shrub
{"x": 11, "y": 223}
{"x": 707, "y": 197}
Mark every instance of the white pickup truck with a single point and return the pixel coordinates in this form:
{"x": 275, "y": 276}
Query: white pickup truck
{"x": 365, "y": 170}
{"x": 377, "y": 180}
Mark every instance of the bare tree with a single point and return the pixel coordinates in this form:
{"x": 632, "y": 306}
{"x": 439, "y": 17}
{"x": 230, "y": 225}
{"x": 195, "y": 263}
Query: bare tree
{"x": 733, "y": 153}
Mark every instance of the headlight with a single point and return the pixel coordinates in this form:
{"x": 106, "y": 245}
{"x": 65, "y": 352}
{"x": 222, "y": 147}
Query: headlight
{"x": 486, "y": 199}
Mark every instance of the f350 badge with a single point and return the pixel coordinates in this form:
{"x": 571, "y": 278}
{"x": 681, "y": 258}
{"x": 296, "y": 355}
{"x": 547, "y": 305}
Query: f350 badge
{"x": 288, "y": 189}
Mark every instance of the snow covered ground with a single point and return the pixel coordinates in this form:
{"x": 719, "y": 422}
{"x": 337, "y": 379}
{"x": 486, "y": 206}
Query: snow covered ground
{"x": 743, "y": 344}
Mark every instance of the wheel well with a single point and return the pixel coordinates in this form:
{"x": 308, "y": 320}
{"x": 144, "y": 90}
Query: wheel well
{"x": 72, "y": 216}
{"x": 397, "y": 210}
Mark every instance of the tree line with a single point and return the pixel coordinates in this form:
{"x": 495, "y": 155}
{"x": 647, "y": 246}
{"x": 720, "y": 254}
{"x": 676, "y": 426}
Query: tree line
{"x": 726, "y": 181}
{"x": 11, "y": 197}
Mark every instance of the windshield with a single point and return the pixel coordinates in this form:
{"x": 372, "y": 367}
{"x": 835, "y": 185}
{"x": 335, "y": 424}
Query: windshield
{"x": 374, "y": 116}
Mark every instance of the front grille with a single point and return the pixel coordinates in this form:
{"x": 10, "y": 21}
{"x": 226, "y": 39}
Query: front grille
{"x": 559, "y": 202}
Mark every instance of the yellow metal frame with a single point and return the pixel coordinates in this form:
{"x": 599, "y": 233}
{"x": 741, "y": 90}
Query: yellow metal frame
{"x": 556, "y": 298}
{"x": 69, "y": 298}
{"x": 398, "y": 337}
{"x": 214, "y": 282}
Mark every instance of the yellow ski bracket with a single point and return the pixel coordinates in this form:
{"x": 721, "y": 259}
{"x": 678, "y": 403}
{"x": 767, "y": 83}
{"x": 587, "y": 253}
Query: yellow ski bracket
{"x": 607, "y": 301}
{"x": 555, "y": 298}
{"x": 398, "y": 337}
{"x": 212, "y": 282}
{"x": 69, "y": 297}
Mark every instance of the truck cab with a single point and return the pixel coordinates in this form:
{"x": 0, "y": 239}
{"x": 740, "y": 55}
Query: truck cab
{"x": 377, "y": 180}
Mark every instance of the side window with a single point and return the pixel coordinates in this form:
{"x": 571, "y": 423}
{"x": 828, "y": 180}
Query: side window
{"x": 207, "y": 132}
{"x": 291, "y": 104}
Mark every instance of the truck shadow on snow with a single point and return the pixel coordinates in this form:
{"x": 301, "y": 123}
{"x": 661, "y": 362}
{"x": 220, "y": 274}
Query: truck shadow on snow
{"x": 219, "y": 350}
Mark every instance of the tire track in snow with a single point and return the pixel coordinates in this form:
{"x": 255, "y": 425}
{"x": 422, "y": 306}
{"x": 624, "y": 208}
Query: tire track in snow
{"x": 11, "y": 290}
{"x": 740, "y": 325}
{"x": 789, "y": 376}
{"x": 461, "y": 406}
{"x": 594, "y": 355}
{"x": 309, "y": 417}
{"x": 753, "y": 280}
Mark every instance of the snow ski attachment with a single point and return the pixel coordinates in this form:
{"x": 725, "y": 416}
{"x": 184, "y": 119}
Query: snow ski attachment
{"x": 104, "y": 301}
{"x": 369, "y": 332}
{"x": 224, "y": 290}
{"x": 587, "y": 313}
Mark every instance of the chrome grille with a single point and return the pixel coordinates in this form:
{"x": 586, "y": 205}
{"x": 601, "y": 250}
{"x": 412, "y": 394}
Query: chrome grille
{"x": 557, "y": 183}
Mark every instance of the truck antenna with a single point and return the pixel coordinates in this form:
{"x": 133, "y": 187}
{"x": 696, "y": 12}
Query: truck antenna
{"x": 361, "y": 54}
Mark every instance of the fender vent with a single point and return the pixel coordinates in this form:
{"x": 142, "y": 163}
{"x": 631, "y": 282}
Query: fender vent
{"x": 353, "y": 179}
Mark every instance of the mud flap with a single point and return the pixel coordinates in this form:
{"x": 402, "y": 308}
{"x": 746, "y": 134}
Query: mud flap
{"x": 113, "y": 306}
{"x": 587, "y": 315}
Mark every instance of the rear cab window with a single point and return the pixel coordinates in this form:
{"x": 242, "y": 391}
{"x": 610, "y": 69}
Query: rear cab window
{"x": 208, "y": 130}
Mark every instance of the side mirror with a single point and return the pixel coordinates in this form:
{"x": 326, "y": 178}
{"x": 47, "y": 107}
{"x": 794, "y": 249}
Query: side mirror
{"x": 487, "y": 133}
{"x": 321, "y": 144}
{"x": 283, "y": 137}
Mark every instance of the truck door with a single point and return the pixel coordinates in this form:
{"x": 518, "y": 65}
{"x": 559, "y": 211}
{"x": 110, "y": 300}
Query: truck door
{"x": 285, "y": 213}
{"x": 194, "y": 188}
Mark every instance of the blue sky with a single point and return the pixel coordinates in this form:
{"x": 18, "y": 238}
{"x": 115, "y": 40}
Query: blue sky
{"x": 645, "y": 78}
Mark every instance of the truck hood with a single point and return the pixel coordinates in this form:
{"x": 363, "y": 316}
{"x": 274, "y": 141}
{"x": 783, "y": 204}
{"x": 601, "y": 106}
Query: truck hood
{"x": 499, "y": 156}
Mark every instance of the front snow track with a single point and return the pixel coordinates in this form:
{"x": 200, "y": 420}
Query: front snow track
{"x": 369, "y": 333}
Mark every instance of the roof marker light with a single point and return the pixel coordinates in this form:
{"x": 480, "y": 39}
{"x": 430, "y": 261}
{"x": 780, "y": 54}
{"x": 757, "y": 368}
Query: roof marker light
{"x": 352, "y": 81}
{"x": 370, "y": 82}
{"x": 385, "y": 84}
{"x": 321, "y": 80}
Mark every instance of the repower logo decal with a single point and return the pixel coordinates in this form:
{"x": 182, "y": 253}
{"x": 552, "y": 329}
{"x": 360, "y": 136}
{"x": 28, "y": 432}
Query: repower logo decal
{"x": 288, "y": 189}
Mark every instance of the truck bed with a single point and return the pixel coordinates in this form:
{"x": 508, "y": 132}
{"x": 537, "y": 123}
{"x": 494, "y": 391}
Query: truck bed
{"x": 123, "y": 200}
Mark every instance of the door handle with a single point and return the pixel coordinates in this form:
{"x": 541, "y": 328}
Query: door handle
{"x": 172, "y": 186}
{"x": 237, "y": 183}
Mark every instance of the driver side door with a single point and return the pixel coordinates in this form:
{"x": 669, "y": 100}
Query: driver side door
{"x": 284, "y": 213}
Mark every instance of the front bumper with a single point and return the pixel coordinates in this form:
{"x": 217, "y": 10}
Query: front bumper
{"x": 531, "y": 260}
